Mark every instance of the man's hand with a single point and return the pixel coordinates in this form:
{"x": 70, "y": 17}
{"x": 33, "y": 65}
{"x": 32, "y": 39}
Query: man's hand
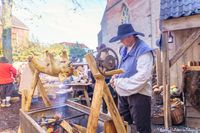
{"x": 112, "y": 81}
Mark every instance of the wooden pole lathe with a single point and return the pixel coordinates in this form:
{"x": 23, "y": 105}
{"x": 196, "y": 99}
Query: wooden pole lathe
{"x": 101, "y": 90}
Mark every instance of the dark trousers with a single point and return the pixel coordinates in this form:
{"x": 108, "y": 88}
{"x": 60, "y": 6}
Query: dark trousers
{"x": 136, "y": 109}
{"x": 6, "y": 90}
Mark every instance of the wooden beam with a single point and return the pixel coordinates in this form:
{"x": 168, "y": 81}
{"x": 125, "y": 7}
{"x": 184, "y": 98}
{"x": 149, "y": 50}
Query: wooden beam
{"x": 193, "y": 68}
{"x": 109, "y": 126}
{"x": 119, "y": 125}
{"x": 41, "y": 88}
{"x": 85, "y": 109}
{"x": 158, "y": 67}
{"x": 101, "y": 90}
{"x": 43, "y": 94}
{"x": 166, "y": 82}
{"x": 80, "y": 128}
{"x": 181, "y": 23}
{"x": 109, "y": 73}
{"x": 187, "y": 44}
{"x": 86, "y": 96}
{"x": 32, "y": 90}
{"x": 95, "y": 107}
{"x": 97, "y": 96}
{"x": 113, "y": 72}
{"x": 66, "y": 126}
{"x": 92, "y": 65}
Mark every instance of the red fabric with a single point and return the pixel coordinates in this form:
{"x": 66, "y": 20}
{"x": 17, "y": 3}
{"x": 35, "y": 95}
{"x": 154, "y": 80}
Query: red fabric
{"x": 7, "y": 73}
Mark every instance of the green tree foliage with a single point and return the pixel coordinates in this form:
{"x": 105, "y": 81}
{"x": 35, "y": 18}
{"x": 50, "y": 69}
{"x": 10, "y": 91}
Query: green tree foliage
{"x": 22, "y": 54}
{"x": 6, "y": 25}
{"x": 77, "y": 52}
{"x": 7, "y": 49}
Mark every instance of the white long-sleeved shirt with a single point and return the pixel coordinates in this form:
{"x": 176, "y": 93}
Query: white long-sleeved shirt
{"x": 139, "y": 82}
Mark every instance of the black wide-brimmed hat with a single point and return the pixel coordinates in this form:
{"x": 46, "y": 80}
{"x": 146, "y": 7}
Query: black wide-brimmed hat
{"x": 125, "y": 30}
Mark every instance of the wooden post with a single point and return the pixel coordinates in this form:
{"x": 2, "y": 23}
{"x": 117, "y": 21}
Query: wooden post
{"x": 43, "y": 93}
{"x": 23, "y": 106}
{"x": 41, "y": 88}
{"x": 87, "y": 98}
{"x": 95, "y": 107}
{"x": 158, "y": 67}
{"x": 101, "y": 90}
{"x": 33, "y": 86}
{"x": 166, "y": 81}
{"x": 119, "y": 125}
{"x": 109, "y": 127}
{"x": 194, "y": 37}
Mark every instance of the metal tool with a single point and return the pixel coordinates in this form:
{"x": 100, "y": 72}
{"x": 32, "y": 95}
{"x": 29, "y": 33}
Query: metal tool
{"x": 106, "y": 60}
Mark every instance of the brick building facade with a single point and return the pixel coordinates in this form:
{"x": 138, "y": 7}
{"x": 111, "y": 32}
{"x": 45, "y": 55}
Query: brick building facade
{"x": 144, "y": 15}
{"x": 20, "y": 33}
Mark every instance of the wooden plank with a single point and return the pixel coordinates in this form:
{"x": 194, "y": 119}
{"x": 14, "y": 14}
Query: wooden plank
{"x": 97, "y": 96}
{"x": 80, "y": 128}
{"x": 166, "y": 74}
{"x": 92, "y": 64}
{"x": 32, "y": 90}
{"x": 173, "y": 75}
{"x": 23, "y": 107}
{"x": 181, "y": 23}
{"x": 188, "y": 54}
{"x": 41, "y": 88}
{"x": 193, "y": 123}
{"x": 86, "y": 96}
{"x": 109, "y": 127}
{"x": 194, "y": 68}
{"x": 23, "y": 102}
{"x": 119, "y": 125}
{"x": 158, "y": 67}
{"x": 85, "y": 109}
{"x": 95, "y": 107}
{"x": 192, "y": 112}
{"x": 166, "y": 124}
{"x": 196, "y": 48}
{"x": 179, "y": 40}
{"x": 188, "y": 43}
{"x": 66, "y": 126}
{"x": 109, "y": 73}
{"x": 100, "y": 89}
{"x": 188, "y": 103}
{"x": 113, "y": 72}
{"x": 43, "y": 93}
{"x": 28, "y": 125}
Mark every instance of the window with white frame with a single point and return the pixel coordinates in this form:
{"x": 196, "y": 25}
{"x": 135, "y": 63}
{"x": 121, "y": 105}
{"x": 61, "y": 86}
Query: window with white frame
{"x": 125, "y": 17}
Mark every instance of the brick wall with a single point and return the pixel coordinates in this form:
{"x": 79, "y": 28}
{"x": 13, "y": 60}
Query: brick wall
{"x": 19, "y": 37}
{"x": 144, "y": 16}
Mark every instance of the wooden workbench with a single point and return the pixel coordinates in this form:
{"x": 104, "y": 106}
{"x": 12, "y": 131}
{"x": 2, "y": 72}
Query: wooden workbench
{"x": 82, "y": 87}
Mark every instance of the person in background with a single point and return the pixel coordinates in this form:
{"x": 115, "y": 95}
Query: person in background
{"x": 103, "y": 55}
{"x": 134, "y": 86}
{"x": 7, "y": 75}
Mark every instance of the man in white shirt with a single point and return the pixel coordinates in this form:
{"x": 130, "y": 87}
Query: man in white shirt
{"x": 134, "y": 85}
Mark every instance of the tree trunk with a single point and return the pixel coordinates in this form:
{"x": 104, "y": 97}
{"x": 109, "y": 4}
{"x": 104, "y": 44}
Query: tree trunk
{"x": 7, "y": 26}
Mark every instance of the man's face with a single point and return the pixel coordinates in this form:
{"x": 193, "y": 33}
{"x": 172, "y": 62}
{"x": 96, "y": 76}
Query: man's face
{"x": 128, "y": 41}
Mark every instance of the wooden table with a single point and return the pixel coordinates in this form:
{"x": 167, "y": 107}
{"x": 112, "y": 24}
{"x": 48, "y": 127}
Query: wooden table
{"x": 82, "y": 87}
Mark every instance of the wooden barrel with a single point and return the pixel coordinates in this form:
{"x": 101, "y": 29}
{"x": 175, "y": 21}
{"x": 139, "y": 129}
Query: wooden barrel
{"x": 177, "y": 115}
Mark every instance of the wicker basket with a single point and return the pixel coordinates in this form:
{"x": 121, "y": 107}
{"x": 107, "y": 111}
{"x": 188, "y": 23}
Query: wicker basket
{"x": 177, "y": 115}
{"x": 158, "y": 120}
